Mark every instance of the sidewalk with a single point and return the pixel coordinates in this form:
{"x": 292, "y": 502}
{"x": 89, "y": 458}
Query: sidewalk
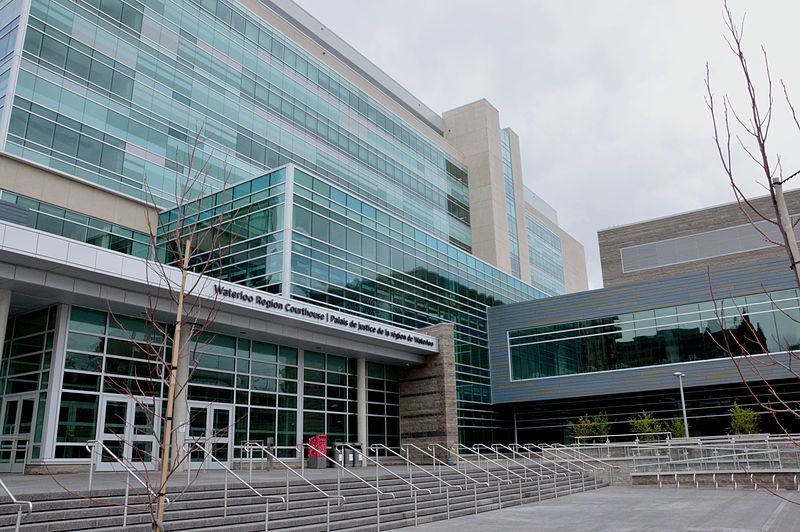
{"x": 627, "y": 509}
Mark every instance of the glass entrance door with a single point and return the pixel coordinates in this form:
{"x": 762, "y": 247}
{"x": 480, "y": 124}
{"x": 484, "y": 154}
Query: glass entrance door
{"x": 129, "y": 427}
{"x": 17, "y": 423}
{"x": 211, "y": 427}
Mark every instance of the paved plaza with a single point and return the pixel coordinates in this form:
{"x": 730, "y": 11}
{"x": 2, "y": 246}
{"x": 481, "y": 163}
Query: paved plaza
{"x": 627, "y": 509}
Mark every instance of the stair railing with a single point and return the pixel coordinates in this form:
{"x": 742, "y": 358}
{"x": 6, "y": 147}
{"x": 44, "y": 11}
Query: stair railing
{"x": 29, "y": 504}
{"x": 441, "y": 463}
{"x": 589, "y": 461}
{"x": 477, "y": 448}
{"x": 497, "y": 446}
{"x": 250, "y": 446}
{"x": 551, "y": 472}
{"x": 413, "y": 490}
{"x": 197, "y": 446}
{"x": 566, "y": 471}
{"x": 339, "y": 469}
{"x": 543, "y": 447}
{"x": 92, "y": 446}
{"x": 410, "y": 468}
{"x": 467, "y": 462}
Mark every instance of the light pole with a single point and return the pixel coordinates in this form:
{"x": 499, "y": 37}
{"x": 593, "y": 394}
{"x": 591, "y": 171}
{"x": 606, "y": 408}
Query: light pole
{"x": 680, "y": 376}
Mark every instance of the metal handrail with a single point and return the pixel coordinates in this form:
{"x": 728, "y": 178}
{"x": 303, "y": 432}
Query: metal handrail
{"x": 608, "y": 437}
{"x": 495, "y": 462}
{"x": 543, "y": 447}
{"x": 572, "y": 461}
{"x": 375, "y": 447}
{"x": 249, "y": 444}
{"x": 29, "y": 504}
{"x": 410, "y": 463}
{"x": 339, "y": 468}
{"x": 413, "y": 490}
{"x": 473, "y": 464}
{"x": 587, "y": 458}
{"x": 340, "y": 500}
{"x": 196, "y": 445}
{"x": 496, "y": 446}
{"x": 90, "y": 446}
{"x": 444, "y": 463}
{"x": 542, "y": 460}
{"x": 432, "y": 455}
{"x": 707, "y": 459}
{"x": 379, "y": 465}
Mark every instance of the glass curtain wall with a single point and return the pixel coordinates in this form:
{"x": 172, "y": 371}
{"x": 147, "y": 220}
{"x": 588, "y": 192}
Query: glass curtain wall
{"x": 130, "y": 95}
{"x": 271, "y": 390}
{"x": 351, "y": 256}
{"x": 757, "y": 323}
{"x": 24, "y": 381}
{"x": 511, "y": 203}
{"x": 545, "y": 257}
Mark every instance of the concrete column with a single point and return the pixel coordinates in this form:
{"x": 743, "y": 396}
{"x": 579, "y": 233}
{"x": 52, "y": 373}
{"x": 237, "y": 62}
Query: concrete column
{"x": 5, "y": 306}
{"x": 361, "y": 378}
{"x": 180, "y": 412}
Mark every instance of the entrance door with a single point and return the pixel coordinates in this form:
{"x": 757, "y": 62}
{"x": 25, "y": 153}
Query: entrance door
{"x": 129, "y": 427}
{"x": 17, "y": 417}
{"x": 211, "y": 427}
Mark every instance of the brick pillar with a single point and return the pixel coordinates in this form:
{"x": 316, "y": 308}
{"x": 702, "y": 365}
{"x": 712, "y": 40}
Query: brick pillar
{"x": 428, "y": 395}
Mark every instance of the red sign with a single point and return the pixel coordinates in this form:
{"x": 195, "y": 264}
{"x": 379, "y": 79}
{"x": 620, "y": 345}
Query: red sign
{"x": 318, "y": 445}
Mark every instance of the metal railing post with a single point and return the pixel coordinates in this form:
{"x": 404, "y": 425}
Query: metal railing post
{"x": 125, "y": 509}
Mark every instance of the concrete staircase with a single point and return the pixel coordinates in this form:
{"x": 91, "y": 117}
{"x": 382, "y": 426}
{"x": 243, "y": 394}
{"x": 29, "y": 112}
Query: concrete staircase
{"x": 201, "y": 508}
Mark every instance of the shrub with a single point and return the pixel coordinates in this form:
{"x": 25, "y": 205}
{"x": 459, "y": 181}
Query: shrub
{"x": 675, "y": 426}
{"x": 743, "y": 420}
{"x": 646, "y": 424}
{"x": 596, "y": 425}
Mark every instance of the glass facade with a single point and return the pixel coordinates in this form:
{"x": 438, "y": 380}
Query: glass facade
{"x": 752, "y": 324}
{"x": 24, "y": 382}
{"x": 55, "y": 220}
{"x": 350, "y": 255}
{"x": 10, "y": 12}
{"x": 545, "y": 257}
{"x": 251, "y": 389}
{"x": 127, "y": 94}
{"x": 511, "y": 203}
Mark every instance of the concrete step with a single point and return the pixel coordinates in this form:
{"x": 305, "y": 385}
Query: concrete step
{"x": 201, "y": 507}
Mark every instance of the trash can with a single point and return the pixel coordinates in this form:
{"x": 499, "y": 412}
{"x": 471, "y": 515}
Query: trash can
{"x": 344, "y": 456}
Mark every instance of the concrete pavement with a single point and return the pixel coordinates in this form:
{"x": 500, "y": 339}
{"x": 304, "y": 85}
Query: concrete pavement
{"x": 627, "y": 509}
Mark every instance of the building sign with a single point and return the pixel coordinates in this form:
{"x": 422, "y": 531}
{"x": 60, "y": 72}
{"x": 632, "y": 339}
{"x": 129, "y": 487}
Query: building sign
{"x": 337, "y": 320}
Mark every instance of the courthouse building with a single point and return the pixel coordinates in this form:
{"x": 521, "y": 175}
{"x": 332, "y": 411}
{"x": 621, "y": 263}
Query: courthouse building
{"x": 364, "y": 238}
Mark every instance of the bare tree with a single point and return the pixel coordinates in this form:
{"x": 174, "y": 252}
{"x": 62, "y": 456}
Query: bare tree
{"x": 747, "y": 131}
{"x": 185, "y": 247}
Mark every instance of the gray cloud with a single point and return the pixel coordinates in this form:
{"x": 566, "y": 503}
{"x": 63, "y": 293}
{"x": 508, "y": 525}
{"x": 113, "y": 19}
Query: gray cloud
{"x": 607, "y": 97}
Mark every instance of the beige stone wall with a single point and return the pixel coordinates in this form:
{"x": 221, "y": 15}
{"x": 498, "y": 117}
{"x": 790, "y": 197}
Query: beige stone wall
{"x": 68, "y": 193}
{"x": 475, "y": 130}
{"x": 613, "y": 239}
{"x": 428, "y": 395}
{"x": 575, "y": 277}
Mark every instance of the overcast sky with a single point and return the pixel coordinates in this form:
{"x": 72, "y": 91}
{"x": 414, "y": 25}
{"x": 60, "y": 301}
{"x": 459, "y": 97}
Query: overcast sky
{"x": 607, "y": 97}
